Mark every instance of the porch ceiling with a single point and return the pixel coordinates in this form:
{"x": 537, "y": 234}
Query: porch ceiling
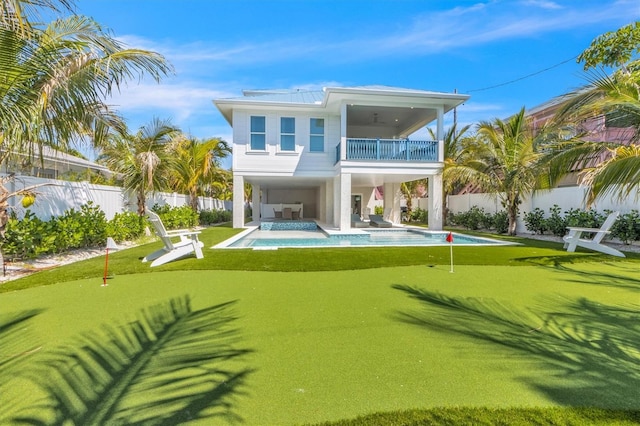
{"x": 284, "y": 182}
{"x": 365, "y": 121}
{"x": 357, "y": 179}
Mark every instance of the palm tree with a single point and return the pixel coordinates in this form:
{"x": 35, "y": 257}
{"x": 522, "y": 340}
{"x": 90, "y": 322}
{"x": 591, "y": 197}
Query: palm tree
{"x": 54, "y": 80}
{"x": 454, "y": 160}
{"x": 611, "y": 167}
{"x": 142, "y": 159}
{"x": 505, "y": 159}
{"x": 410, "y": 190}
{"x": 196, "y": 165}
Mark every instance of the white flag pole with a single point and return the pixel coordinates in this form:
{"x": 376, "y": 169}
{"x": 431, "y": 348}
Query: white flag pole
{"x": 450, "y": 241}
{"x": 451, "y": 255}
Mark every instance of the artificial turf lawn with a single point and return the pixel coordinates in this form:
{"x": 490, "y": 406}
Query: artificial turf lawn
{"x": 331, "y": 345}
{"x": 127, "y": 261}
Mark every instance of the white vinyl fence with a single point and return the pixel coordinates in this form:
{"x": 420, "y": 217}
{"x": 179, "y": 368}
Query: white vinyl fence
{"x": 54, "y": 197}
{"x": 566, "y": 198}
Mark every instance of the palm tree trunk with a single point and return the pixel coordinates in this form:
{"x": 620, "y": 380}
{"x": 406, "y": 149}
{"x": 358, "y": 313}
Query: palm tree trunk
{"x": 141, "y": 203}
{"x": 193, "y": 201}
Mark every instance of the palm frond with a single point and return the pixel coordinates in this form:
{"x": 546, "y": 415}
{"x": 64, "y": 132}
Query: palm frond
{"x": 622, "y": 167}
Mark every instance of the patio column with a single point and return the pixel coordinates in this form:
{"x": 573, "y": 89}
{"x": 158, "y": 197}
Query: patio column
{"x": 440, "y": 133}
{"x": 343, "y": 132}
{"x": 255, "y": 201}
{"x": 238, "y": 201}
{"x": 392, "y": 197}
{"x": 345, "y": 202}
{"x": 329, "y": 201}
{"x": 435, "y": 203}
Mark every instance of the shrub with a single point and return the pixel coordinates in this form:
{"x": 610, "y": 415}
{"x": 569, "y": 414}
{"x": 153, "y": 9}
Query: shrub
{"x": 535, "y": 221}
{"x": 486, "y": 220}
{"x": 209, "y": 217}
{"x": 420, "y": 215}
{"x": 584, "y": 218}
{"x": 126, "y": 226}
{"x": 472, "y": 218}
{"x": 31, "y": 237}
{"x": 556, "y": 223}
{"x": 378, "y": 210}
{"x": 80, "y": 228}
{"x": 27, "y": 238}
{"x": 501, "y": 222}
{"x": 627, "y": 227}
{"x": 176, "y": 217}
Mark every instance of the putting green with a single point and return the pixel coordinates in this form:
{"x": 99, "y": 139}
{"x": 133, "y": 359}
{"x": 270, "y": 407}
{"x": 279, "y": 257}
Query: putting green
{"x": 331, "y": 345}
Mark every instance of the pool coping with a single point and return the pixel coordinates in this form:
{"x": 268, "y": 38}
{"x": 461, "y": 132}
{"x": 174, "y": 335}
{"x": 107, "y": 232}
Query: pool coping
{"x": 333, "y": 231}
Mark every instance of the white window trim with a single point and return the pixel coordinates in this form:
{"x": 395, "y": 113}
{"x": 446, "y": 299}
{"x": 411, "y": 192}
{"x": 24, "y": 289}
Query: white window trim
{"x": 280, "y": 134}
{"x": 324, "y": 135}
{"x": 266, "y": 143}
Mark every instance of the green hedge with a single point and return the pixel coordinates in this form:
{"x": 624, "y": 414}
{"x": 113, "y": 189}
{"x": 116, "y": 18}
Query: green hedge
{"x": 626, "y": 228}
{"x": 30, "y": 237}
{"x": 477, "y": 218}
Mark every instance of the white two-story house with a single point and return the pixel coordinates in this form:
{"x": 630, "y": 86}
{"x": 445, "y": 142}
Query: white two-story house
{"x": 327, "y": 151}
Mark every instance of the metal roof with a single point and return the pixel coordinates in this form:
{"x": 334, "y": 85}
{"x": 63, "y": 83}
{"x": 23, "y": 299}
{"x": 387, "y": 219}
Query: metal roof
{"x": 330, "y": 98}
{"x": 296, "y": 96}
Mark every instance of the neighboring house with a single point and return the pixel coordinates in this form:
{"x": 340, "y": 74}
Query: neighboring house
{"x": 325, "y": 152}
{"x": 598, "y": 129}
{"x": 51, "y": 165}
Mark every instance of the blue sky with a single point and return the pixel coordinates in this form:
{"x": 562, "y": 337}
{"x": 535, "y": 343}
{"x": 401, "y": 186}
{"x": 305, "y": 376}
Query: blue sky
{"x": 220, "y": 47}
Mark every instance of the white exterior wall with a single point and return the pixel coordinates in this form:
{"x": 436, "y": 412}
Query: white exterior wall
{"x": 273, "y": 161}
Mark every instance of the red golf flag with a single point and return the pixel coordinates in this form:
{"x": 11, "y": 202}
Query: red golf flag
{"x": 450, "y": 238}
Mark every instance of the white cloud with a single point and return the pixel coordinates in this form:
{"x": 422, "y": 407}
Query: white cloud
{"x": 183, "y": 99}
{"x": 544, "y": 4}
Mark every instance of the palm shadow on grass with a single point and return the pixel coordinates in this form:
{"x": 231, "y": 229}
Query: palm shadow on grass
{"x": 16, "y": 342}
{"x": 168, "y": 366}
{"x": 590, "y": 350}
{"x": 631, "y": 281}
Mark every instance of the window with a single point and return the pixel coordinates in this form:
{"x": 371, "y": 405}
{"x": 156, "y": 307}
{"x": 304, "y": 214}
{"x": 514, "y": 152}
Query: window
{"x": 316, "y": 143}
{"x": 287, "y": 134}
{"x": 258, "y": 134}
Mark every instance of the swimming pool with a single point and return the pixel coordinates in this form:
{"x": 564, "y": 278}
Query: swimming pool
{"x": 370, "y": 238}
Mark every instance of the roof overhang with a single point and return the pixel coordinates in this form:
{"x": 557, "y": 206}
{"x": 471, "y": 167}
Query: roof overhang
{"x": 396, "y": 111}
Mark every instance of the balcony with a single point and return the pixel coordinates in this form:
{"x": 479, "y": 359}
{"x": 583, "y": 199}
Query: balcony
{"x": 389, "y": 150}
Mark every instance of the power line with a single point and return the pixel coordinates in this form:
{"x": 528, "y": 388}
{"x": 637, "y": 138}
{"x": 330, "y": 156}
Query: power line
{"x": 524, "y": 77}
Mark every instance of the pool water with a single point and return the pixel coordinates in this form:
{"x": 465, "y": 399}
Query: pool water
{"x": 387, "y": 237}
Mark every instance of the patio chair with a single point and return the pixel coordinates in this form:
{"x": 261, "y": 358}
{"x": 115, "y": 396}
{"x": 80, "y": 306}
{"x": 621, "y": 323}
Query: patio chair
{"x": 295, "y": 214}
{"x": 356, "y": 222}
{"x": 574, "y": 238}
{"x": 287, "y": 213}
{"x": 277, "y": 214}
{"x": 188, "y": 243}
{"x": 377, "y": 221}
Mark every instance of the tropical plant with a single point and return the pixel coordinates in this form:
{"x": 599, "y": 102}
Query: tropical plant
{"x": 454, "y": 155}
{"x": 504, "y": 159}
{"x": 196, "y": 166}
{"x": 54, "y": 80}
{"x": 411, "y": 190}
{"x": 610, "y": 167}
{"x": 142, "y": 159}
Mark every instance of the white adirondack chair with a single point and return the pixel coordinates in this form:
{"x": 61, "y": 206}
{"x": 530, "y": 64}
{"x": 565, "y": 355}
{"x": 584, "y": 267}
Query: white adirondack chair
{"x": 188, "y": 243}
{"x": 574, "y": 238}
